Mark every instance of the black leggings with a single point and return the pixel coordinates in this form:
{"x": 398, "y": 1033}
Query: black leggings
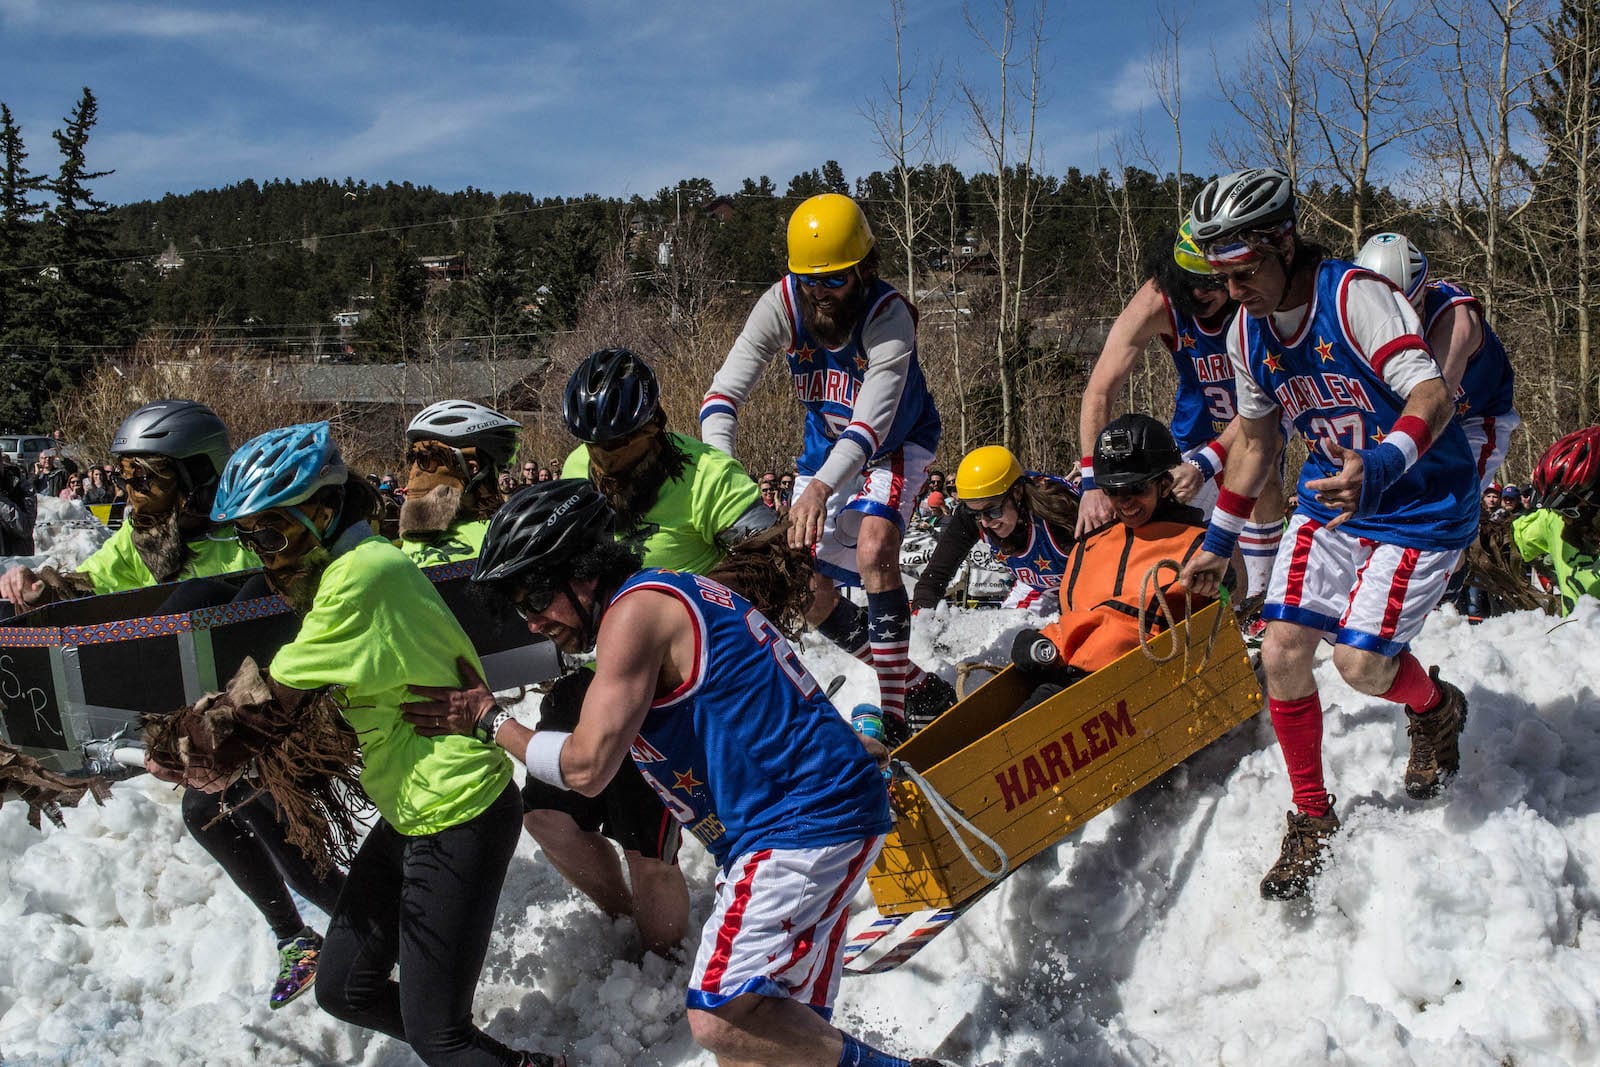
{"x": 249, "y": 844}
{"x": 429, "y": 904}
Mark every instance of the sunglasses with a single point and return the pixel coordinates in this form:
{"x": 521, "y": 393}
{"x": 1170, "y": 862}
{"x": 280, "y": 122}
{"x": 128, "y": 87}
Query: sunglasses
{"x": 266, "y": 541}
{"x": 1118, "y": 492}
{"x": 1210, "y": 283}
{"x": 528, "y": 605}
{"x": 432, "y": 457}
{"x": 827, "y": 281}
{"x": 269, "y": 540}
{"x": 992, "y": 512}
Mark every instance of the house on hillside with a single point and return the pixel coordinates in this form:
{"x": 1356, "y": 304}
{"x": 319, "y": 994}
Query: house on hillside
{"x": 385, "y": 388}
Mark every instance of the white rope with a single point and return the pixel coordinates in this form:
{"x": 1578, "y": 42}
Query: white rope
{"x": 952, "y": 818}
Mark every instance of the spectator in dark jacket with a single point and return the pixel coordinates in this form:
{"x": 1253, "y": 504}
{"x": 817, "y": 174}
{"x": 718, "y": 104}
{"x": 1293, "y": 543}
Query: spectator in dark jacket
{"x": 18, "y": 507}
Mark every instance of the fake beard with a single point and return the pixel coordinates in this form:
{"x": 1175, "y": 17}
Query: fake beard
{"x": 427, "y": 514}
{"x": 834, "y": 329}
{"x": 632, "y": 493}
{"x": 298, "y": 583}
{"x": 159, "y": 542}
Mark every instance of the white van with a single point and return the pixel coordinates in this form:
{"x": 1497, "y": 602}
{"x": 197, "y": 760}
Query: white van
{"x": 25, "y": 448}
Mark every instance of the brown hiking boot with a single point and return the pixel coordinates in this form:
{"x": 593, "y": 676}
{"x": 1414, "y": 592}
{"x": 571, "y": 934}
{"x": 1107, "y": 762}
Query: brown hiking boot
{"x": 1301, "y": 858}
{"x": 1435, "y": 736}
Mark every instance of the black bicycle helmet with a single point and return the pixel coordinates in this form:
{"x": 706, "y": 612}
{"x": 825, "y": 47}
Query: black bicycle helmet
{"x": 1132, "y": 450}
{"x": 463, "y": 423}
{"x": 544, "y": 527}
{"x": 611, "y": 394}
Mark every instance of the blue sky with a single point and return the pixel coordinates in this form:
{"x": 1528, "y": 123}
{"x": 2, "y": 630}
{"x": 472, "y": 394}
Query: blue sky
{"x": 557, "y": 98}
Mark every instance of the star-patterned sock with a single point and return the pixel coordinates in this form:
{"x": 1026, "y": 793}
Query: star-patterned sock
{"x": 889, "y": 628}
{"x": 846, "y": 626}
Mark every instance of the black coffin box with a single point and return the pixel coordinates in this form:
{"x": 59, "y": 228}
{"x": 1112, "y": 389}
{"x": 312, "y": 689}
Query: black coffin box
{"x": 81, "y": 670}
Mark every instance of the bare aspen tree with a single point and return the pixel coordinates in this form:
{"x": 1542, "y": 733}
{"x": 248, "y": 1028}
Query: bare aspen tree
{"x": 1165, "y": 71}
{"x": 1364, "y": 99}
{"x": 1486, "y": 69}
{"x": 1266, "y": 80}
{"x": 1005, "y": 131}
{"x": 907, "y": 138}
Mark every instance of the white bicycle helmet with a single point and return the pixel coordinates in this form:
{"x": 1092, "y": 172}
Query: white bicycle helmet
{"x": 462, "y": 423}
{"x": 1396, "y": 258}
{"x": 1255, "y": 199}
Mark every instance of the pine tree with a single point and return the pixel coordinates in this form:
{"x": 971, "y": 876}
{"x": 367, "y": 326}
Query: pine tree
{"x": 18, "y": 219}
{"x": 496, "y": 306}
{"x": 393, "y": 332}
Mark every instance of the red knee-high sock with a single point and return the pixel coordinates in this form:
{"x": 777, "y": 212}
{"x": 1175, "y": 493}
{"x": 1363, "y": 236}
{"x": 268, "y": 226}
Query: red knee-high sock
{"x": 1298, "y": 724}
{"x": 1412, "y": 686}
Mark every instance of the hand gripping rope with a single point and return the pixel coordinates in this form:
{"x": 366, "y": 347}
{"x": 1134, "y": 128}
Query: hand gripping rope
{"x": 952, "y": 819}
{"x": 1149, "y": 586}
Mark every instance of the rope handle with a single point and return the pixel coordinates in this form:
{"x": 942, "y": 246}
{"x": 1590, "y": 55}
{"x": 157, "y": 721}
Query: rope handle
{"x": 952, "y": 818}
{"x": 1149, "y": 585}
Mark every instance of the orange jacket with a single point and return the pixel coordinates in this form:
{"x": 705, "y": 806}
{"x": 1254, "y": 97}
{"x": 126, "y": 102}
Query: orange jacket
{"x": 1100, "y": 594}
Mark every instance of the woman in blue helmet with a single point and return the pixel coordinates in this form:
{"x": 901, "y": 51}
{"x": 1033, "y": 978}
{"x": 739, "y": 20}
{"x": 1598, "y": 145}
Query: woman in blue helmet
{"x": 423, "y": 886}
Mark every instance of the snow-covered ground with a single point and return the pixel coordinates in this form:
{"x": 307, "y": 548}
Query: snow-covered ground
{"x": 63, "y": 533}
{"x": 1450, "y": 932}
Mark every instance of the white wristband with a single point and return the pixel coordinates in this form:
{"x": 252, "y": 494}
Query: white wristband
{"x": 542, "y": 757}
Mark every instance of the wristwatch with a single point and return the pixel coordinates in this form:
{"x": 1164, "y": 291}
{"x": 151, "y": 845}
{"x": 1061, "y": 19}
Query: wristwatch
{"x": 488, "y": 725}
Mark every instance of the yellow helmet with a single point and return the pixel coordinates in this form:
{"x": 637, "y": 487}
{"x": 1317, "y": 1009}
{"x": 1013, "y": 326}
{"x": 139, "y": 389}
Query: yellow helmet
{"x": 1186, "y": 252}
{"x": 987, "y": 472}
{"x": 827, "y": 233}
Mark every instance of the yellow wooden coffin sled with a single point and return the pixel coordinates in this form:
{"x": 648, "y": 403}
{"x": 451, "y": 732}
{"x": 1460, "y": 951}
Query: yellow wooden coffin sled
{"x": 1027, "y": 781}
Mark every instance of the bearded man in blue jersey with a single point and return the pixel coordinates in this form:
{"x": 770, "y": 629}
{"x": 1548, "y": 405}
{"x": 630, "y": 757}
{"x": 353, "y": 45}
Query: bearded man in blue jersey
{"x": 735, "y": 735}
{"x": 1388, "y": 496}
{"x": 871, "y": 429}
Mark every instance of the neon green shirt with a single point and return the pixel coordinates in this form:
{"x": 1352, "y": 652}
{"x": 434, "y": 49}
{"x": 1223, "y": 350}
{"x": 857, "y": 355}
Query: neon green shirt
{"x": 692, "y": 509}
{"x": 116, "y": 566}
{"x": 464, "y": 540}
{"x": 377, "y": 626}
{"x": 1543, "y": 533}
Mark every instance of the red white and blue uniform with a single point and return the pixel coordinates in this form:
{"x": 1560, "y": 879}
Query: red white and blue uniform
{"x": 871, "y": 425}
{"x": 1334, "y": 391}
{"x": 1485, "y": 407}
{"x": 752, "y": 758}
{"x": 1372, "y": 580}
{"x": 828, "y": 382}
{"x": 1039, "y": 565}
{"x": 1205, "y": 403}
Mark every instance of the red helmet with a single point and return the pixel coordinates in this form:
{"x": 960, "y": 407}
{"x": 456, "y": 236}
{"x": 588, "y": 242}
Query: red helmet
{"x": 1569, "y": 471}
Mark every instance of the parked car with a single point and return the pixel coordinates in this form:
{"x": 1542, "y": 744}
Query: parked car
{"x": 24, "y": 448}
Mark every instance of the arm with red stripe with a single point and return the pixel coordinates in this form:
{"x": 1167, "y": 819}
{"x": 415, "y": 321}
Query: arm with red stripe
{"x": 1147, "y": 316}
{"x": 890, "y": 339}
{"x": 766, "y": 333}
{"x": 643, "y": 642}
{"x": 1250, "y": 464}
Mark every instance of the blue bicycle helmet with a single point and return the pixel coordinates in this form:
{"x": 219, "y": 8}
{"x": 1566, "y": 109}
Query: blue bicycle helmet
{"x": 611, "y": 394}
{"x": 280, "y": 468}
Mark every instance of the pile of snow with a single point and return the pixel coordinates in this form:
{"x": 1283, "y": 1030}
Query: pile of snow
{"x": 64, "y": 534}
{"x": 1452, "y": 931}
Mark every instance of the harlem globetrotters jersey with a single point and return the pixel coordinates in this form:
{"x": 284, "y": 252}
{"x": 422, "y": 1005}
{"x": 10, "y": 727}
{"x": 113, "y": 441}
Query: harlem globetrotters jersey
{"x": 1205, "y": 403}
{"x": 1334, "y": 392}
{"x": 843, "y": 406}
{"x": 1487, "y": 383}
{"x": 1042, "y": 562}
{"x": 748, "y": 752}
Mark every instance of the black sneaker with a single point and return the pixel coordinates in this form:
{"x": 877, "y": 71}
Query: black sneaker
{"x": 1303, "y": 851}
{"x": 927, "y": 700}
